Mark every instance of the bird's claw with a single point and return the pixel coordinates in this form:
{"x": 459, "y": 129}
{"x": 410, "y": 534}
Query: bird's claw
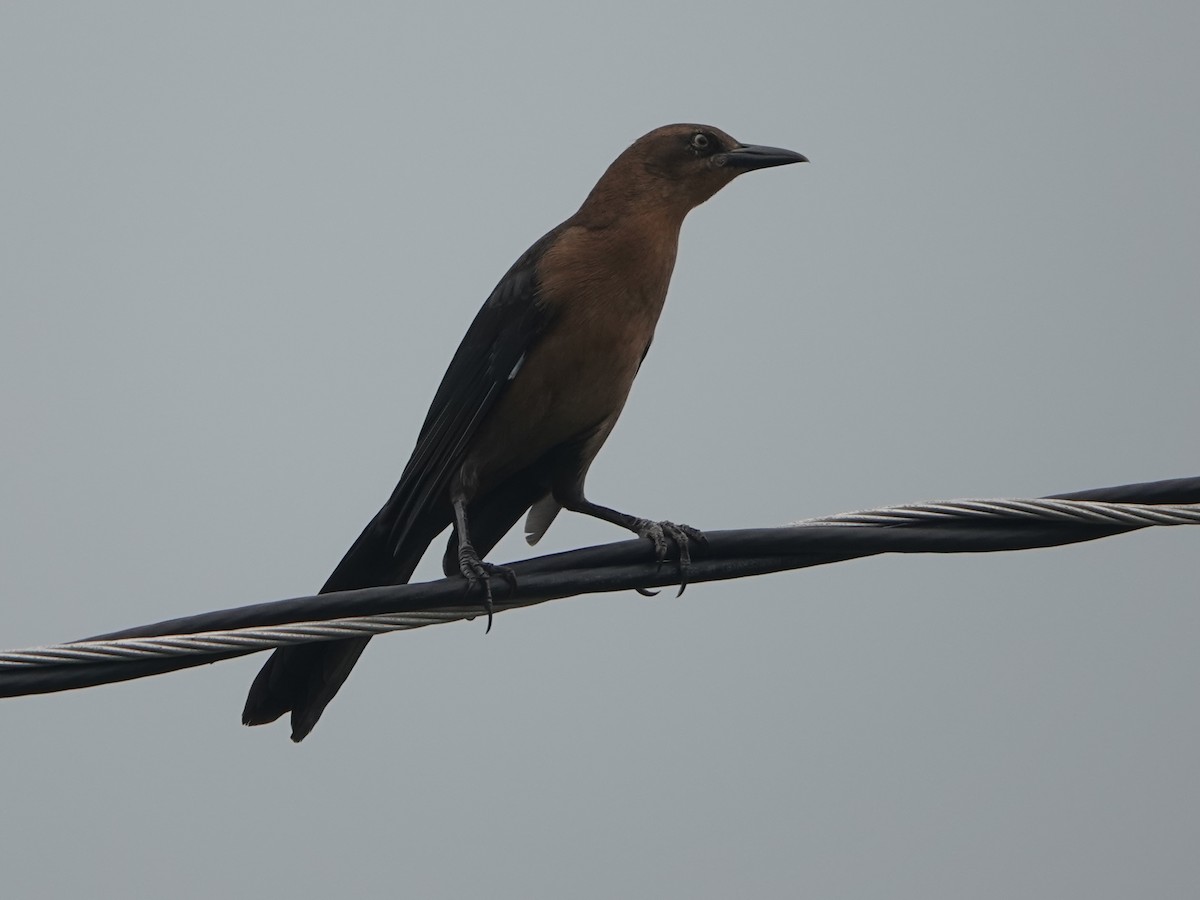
{"x": 664, "y": 533}
{"x": 476, "y": 571}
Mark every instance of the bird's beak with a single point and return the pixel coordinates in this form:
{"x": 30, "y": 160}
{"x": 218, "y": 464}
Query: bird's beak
{"x": 746, "y": 157}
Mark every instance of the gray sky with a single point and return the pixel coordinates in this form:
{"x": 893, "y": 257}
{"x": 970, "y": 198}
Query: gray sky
{"x": 238, "y": 245}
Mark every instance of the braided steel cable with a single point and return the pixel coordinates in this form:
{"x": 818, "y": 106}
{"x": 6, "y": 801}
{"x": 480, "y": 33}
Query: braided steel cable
{"x": 1049, "y": 509}
{"x": 939, "y": 527}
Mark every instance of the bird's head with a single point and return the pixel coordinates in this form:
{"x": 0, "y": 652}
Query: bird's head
{"x": 681, "y": 166}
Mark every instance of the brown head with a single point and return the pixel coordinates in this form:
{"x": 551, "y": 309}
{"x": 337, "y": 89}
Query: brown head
{"x": 674, "y": 169}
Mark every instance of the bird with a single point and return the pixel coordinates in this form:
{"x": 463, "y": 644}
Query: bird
{"x": 530, "y": 396}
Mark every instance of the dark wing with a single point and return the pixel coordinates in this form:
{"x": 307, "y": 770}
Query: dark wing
{"x": 490, "y": 354}
{"x": 305, "y": 678}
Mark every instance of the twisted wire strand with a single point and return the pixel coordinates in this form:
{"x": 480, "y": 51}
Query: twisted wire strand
{"x": 1101, "y": 518}
{"x": 1048, "y": 509}
{"x": 236, "y": 639}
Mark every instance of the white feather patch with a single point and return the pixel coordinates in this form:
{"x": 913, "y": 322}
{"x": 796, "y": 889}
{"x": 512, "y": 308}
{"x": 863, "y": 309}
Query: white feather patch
{"x": 541, "y": 514}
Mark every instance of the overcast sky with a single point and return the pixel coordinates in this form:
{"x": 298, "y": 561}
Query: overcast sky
{"x": 239, "y": 243}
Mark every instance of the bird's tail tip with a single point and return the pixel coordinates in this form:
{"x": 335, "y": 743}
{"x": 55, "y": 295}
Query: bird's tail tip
{"x": 301, "y": 680}
{"x": 264, "y": 714}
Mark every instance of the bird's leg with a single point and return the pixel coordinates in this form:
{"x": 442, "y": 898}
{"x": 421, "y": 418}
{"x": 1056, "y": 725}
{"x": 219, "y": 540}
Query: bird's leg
{"x": 659, "y": 533}
{"x": 474, "y": 569}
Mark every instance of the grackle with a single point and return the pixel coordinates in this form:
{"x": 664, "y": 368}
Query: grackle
{"x": 530, "y": 396}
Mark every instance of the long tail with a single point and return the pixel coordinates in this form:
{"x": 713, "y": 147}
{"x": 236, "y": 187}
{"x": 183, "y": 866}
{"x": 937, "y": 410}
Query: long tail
{"x": 304, "y": 678}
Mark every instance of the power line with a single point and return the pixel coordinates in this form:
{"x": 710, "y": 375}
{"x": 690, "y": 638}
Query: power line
{"x": 960, "y": 526}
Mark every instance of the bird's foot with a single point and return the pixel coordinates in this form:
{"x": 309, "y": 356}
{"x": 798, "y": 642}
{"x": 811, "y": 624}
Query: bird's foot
{"x": 476, "y": 571}
{"x": 662, "y": 534}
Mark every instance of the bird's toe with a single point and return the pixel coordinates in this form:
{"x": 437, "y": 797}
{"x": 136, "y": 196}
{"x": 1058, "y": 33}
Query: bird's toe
{"x": 476, "y": 571}
{"x": 664, "y": 533}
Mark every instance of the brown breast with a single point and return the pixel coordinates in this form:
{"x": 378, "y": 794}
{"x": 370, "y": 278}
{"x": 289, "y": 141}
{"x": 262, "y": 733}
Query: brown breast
{"x": 606, "y": 289}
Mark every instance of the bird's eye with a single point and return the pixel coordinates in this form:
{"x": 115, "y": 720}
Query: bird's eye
{"x": 701, "y": 142}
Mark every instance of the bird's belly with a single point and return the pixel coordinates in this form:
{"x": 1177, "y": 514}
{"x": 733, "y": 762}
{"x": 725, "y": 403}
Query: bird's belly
{"x": 574, "y": 382}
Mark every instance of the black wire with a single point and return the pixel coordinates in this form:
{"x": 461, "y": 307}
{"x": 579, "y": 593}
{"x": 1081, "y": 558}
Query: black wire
{"x": 624, "y": 565}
